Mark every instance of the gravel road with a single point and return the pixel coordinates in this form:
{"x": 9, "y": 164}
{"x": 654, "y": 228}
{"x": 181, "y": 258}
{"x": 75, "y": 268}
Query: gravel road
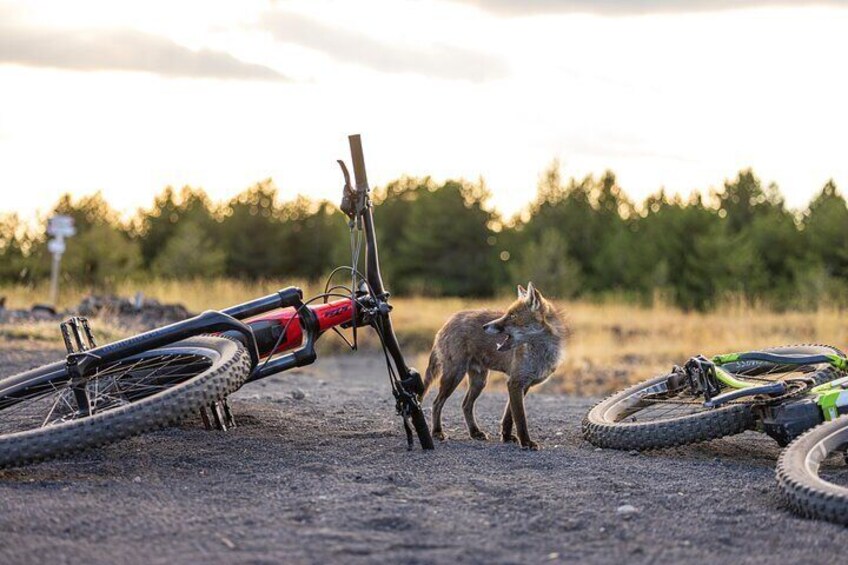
{"x": 325, "y": 476}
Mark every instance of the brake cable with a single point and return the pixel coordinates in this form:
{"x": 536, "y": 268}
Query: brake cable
{"x": 401, "y": 398}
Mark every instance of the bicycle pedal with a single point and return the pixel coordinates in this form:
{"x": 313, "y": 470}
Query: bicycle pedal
{"x": 77, "y": 335}
{"x": 207, "y": 423}
{"x": 218, "y": 416}
{"x": 228, "y": 414}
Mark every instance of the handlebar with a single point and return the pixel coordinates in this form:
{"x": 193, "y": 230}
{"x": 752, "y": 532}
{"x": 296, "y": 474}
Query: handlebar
{"x": 358, "y": 160}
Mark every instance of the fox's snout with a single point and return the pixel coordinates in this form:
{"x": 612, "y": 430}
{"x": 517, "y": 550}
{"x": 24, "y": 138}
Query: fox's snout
{"x": 493, "y": 327}
{"x": 496, "y": 327}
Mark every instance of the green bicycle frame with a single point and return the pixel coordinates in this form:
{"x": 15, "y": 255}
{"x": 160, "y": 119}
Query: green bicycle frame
{"x": 728, "y": 379}
{"x": 830, "y": 396}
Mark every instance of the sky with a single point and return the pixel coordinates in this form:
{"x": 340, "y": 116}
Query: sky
{"x": 129, "y": 97}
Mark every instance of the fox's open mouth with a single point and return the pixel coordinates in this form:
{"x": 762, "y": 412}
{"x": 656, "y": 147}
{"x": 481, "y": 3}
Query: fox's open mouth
{"x": 505, "y": 344}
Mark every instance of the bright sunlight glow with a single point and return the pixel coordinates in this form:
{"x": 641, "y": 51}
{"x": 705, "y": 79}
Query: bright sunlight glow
{"x": 128, "y": 97}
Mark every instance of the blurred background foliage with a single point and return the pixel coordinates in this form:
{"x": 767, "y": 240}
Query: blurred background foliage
{"x": 578, "y": 238}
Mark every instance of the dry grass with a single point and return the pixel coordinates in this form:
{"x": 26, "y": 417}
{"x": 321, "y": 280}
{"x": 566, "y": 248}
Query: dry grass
{"x": 612, "y": 344}
{"x": 616, "y": 344}
{"x": 196, "y": 294}
{"x": 35, "y": 335}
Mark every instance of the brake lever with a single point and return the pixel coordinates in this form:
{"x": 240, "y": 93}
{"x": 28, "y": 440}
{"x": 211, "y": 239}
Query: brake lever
{"x": 348, "y": 205}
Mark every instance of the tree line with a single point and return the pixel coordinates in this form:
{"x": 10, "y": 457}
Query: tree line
{"x": 577, "y": 238}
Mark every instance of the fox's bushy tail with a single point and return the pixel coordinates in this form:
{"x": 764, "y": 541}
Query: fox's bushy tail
{"x": 433, "y": 370}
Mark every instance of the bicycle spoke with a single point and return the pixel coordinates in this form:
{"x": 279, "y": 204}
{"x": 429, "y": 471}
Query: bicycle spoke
{"x": 661, "y": 410}
{"x": 59, "y": 397}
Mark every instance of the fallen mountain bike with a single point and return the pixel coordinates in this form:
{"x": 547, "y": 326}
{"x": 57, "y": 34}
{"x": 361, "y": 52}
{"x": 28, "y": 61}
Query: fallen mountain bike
{"x": 100, "y": 394}
{"x": 781, "y": 391}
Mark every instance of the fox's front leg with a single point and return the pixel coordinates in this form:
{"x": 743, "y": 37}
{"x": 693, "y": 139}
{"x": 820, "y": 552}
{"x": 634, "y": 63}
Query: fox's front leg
{"x": 516, "y": 408}
{"x": 506, "y": 423}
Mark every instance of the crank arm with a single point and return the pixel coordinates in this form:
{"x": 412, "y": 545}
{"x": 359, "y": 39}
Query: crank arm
{"x": 778, "y": 387}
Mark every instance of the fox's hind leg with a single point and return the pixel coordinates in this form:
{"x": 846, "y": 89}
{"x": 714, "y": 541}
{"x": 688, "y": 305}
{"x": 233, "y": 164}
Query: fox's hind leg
{"x": 477, "y": 378}
{"x": 452, "y": 375}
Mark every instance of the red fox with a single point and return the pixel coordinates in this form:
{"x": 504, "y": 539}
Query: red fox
{"x": 525, "y": 342}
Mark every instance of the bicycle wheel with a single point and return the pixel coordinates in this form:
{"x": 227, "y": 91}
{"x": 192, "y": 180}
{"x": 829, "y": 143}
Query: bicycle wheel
{"x": 661, "y": 412}
{"x": 812, "y": 473}
{"x": 44, "y": 415}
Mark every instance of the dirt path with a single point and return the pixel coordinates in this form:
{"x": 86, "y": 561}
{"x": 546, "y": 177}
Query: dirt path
{"x": 327, "y": 478}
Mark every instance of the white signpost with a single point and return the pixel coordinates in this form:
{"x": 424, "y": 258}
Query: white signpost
{"x": 59, "y": 227}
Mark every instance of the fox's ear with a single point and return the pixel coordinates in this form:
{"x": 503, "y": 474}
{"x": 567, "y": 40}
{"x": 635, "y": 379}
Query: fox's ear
{"x": 533, "y": 297}
{"x": 522, "y": 292}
